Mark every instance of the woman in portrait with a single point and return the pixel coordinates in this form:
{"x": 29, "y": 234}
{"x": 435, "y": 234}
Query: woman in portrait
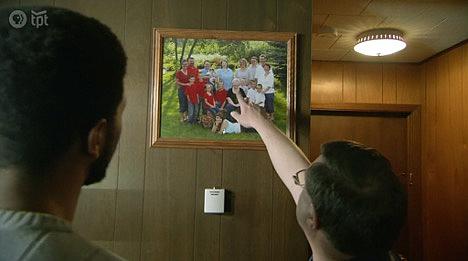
{"x": 182, "y": 81}
{"x": 242, "y": 72}
{"x": 226, "y": 75}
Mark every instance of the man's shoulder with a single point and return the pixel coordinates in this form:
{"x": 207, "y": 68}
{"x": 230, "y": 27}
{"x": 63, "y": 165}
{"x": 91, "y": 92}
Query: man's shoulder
{"x": 71, "y": 246}
{"x": 60, "y": 245}
{"x": 38, "y": 236}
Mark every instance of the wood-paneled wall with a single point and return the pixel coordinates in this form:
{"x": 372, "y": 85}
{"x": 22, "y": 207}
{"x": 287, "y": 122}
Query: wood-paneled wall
{"x": 440, "y": 85}
{"x": 150, "y": 206}
{"x": 445, "y": 156}
{"x": 262, "y": 223}
{"x": 352, "y": 82}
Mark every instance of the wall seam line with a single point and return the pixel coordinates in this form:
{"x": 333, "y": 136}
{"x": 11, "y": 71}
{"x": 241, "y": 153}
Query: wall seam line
{"x": 148, "y": 95}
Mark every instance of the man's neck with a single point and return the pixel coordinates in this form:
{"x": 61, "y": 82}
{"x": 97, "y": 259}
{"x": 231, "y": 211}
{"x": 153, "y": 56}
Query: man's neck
{"x": 49, "y": 193}
{"x": 322, "y": 250}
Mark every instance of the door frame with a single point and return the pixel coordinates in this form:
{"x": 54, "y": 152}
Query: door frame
{"x": 412, "y": 113}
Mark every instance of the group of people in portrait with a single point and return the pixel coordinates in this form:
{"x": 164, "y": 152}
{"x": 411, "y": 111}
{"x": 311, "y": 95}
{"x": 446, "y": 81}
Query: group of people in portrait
{"x": 206, "y": 95}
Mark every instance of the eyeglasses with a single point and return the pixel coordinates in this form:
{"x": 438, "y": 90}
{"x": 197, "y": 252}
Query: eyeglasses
{"x": 300, "y": 177}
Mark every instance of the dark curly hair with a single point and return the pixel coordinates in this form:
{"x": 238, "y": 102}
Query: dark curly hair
{"x": 360, "y": 203}
{"x": 57, "y": 82}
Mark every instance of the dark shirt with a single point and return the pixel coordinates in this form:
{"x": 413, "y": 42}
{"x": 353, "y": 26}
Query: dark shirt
{"x": 233, "y": 96}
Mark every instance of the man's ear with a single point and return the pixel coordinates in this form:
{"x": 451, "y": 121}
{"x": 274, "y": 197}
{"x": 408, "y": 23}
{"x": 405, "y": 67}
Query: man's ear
{"x": 312, "y": 220}
{"x": 97, "y": 138}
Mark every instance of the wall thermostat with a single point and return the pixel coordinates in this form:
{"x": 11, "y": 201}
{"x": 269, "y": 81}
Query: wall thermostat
{"x": 214, "y": 201}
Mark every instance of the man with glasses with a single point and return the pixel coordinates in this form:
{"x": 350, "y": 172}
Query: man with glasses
{"x": 350, "y": 204}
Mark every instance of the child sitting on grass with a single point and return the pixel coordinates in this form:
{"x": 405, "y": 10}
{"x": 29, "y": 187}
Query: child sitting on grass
{"x": 258, "y": 97}
{"x": 210, "y": 103}
{"x": 223, "y": 126}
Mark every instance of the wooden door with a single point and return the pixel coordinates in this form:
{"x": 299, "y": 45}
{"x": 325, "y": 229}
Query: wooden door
{"x": 387, "y": 131}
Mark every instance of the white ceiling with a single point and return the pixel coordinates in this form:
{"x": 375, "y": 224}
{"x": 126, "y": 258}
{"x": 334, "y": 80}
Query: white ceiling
{"x": 429, "y": 26}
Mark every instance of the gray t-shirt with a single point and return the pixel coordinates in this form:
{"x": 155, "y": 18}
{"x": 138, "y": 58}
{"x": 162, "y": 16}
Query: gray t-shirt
{"x": 37, "y": 236}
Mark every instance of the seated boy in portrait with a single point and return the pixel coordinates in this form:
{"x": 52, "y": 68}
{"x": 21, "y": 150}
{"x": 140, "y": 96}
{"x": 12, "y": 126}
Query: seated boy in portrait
{"x": 258, "y": 97}
{"x": 251, "y": 91}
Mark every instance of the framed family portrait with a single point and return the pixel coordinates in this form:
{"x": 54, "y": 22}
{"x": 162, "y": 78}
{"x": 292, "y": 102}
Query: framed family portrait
{"x": 195, "y": 73}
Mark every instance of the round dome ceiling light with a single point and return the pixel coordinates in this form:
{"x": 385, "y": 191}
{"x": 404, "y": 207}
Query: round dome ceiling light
{"x": 380, "y": 42}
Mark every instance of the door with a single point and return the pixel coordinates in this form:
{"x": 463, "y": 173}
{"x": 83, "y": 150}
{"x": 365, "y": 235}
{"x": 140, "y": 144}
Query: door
{"x": 385, "y": 131}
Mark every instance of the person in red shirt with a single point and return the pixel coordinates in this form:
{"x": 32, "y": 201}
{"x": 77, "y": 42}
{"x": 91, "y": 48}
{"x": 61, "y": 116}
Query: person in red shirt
{"x": 192, "y": 69}
{"x": 220, "y": 96}
{"x": 210, "y": 103}
{"x": 201, "y": 97}
{"x": 182, "y": 81}
{"x": 192, "y": 97}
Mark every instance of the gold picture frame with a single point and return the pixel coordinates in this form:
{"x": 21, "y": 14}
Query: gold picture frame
{"x": 161, "y": 87}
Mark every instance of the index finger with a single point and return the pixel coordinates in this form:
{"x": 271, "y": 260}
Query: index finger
{"x": 241, "y": 101}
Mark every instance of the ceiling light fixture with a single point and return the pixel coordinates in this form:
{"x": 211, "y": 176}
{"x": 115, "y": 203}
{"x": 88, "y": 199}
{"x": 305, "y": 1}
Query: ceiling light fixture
{"x": 380, "y": 42}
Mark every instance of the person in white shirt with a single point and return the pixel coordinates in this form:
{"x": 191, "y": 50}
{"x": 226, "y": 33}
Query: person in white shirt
{"x": 244, "y": 85}
{"x": 242, "y": 72}
{"x": 267, "y": 80}
{"x": 262, "y": 60}
{"x": 252, "y": 90}
{"x": 252, "y": 69}
{"x": 258, "y": 97}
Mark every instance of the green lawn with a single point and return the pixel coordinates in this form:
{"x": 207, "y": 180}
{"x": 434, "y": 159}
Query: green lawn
{"x": 171, "y": 127}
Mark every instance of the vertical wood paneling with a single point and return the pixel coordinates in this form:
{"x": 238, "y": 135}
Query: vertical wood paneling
{"x": 389, "y": 84}
{"x": 207, "y": 226}
{"x": 408, "y": 84}
{"x": 327, "y": 82}
{"x": 349, "y": 82}
{"x": 288, "y": 12}
{"x": 95, "y": 215}
{"x": 429, "y": 142}
{"x": 440, "y": 211}
{"x": 170, "y": 187}
{"x": 353, "y": 82}
{"x": 37, "y": 2}
{"x": 169, "y": 209}
{"x": 9, "y": 3}
{"x": 248, "y": 174}
{"x": 108, "y": 12}
{"x": 464, "y": 207}
{"x": 174, "y": 14}
{"x": 214, "y": 14}
{"x": 445, "y": 156}
{"x": 129, "y": 202}
{"x": 458, "y": 191}
{"x": 463, "y": 182}
{"x": 258, "y": 15}
{"x": 288, "y": 240}
{"x": 369, "y": 83}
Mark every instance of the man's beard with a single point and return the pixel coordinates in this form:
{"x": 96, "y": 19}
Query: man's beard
{"x": 97, "y": 169}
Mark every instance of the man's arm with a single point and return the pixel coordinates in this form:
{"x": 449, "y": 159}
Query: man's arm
{"x": 286, "y": 157}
